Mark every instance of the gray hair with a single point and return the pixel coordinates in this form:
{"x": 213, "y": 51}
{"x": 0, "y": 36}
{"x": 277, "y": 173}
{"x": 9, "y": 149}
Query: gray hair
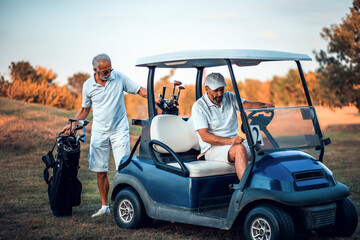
{"x": 99, "y": 58}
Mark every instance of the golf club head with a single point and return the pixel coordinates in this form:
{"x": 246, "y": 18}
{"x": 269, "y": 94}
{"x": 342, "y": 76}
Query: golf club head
{"x": 181, "y": 87}
{"x": 71, "y": 138}
{"x": 82, "y": 123}
{"x": 80, "y": 137}
{"x": 78, "y": 127}
{"x": 177, "y": 83}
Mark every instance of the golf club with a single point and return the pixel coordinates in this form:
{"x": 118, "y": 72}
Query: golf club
{"x": 181, "y": 87}
{"x": 80, "y": 137}
{"x": 173, "y": 100}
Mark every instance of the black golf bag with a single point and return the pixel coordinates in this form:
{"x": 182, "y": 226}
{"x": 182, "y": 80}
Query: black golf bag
{"x": 64, "y": 187}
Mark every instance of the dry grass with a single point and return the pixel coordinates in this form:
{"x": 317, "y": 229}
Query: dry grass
{"x": 343, "y": 116}
{"x": 27, "y": 131}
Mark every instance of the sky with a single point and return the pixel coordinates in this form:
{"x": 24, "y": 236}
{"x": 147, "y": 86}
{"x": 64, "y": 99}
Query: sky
{"x": 65, "y": 35}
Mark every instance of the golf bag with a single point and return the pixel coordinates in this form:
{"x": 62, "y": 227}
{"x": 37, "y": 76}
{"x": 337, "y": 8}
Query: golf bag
{"x": 64, "y": 187}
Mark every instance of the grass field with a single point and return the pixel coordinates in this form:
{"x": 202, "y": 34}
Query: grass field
{"x": 27, "y": 131}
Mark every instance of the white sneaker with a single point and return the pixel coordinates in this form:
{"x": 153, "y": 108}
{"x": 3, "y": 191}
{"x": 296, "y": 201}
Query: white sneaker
{"x": 101, "y": 212}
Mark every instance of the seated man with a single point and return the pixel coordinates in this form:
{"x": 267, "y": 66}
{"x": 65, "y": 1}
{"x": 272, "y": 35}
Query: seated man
{"x": 215, "y": 120}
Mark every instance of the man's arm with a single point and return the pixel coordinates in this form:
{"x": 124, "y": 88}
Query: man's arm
{"x": 216, "y": 140}
{"x": 250, "y": 104}
{"x": 142, "y": 92}
{"x": 81, "y": 115}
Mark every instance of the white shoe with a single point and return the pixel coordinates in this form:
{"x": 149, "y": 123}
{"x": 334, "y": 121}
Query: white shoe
{"x": 101, "y": 212}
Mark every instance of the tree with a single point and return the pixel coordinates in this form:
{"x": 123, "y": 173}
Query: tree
{"x": 252, "y": 88}
{"x": 76, "y": 81}
{"x": 3, "y": 85}
{"x": 287, "y": 90}
{"x": 23, "y": 71}
{"x": 42, "y": 75}
{"x": 340, "y": 65}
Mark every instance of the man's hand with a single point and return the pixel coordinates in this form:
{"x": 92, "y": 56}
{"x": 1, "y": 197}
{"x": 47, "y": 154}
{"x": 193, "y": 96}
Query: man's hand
{"x": 66, "y": 130}
{"x": 82, "y": 114}
{"x": 269, "y": 105}
{"x": 236, "y": 140}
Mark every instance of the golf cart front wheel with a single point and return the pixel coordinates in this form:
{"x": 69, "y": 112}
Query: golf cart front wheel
{"x": 268, "y": 222}
{"x": 128, "y": 209}
{"x": 346, "y": 220}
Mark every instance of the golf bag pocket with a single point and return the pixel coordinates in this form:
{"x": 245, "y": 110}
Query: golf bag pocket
{"x": 48, "y": 159}
{"x": 76, "y": 193}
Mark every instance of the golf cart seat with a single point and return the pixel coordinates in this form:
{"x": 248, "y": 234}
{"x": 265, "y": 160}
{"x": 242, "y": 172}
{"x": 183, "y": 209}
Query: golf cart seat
{"x": 178, "y": 134}
{"x": 181, "y": 137}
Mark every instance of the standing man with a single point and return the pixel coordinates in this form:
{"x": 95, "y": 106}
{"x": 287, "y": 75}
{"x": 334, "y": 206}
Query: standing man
{"x": 215, "y": 120}
{"x": 104, "y": 91}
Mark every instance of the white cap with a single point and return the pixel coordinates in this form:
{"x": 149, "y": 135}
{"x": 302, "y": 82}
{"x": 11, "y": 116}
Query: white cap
{"x": 214, "y": 81}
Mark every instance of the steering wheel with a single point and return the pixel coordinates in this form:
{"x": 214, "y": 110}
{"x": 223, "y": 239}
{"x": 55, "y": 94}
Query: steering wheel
{"x": 261, "y": 119}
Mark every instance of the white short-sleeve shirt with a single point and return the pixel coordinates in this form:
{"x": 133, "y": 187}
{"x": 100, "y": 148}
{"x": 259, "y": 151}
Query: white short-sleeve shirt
{"x": 220, "y": 121}
{"x": 109, "y": 112}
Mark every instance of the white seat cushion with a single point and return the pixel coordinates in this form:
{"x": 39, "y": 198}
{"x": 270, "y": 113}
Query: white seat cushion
{"x": 176, "y": 133}
{"x": 207, "y": 168}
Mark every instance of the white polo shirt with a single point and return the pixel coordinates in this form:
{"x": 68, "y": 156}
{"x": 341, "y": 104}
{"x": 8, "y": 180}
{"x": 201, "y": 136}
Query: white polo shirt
{"x": 109, "y": 112}
{"x": 220, "y": 121}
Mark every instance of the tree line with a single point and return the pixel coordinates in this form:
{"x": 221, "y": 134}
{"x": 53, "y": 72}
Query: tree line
{"x": 36, "y": 85}
{"x": 336, "y": 83}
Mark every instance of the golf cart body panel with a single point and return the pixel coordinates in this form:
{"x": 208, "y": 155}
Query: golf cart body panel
{"x": 173, "y": 185}
{"x": 191, "y": 192}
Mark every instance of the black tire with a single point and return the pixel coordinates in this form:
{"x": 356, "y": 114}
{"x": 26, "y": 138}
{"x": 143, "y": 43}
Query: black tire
{"x": 129, "y": 210}
{"x": 268, "y": 222}
{"x": 346, "y": 220}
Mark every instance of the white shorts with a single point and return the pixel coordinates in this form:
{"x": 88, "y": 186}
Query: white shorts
{"x": 220, "y": 153}
{"x": 100, "y": 149}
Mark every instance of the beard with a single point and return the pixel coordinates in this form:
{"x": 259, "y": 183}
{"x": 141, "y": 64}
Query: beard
{"x": 217, "y": 100}
{"x": 103, "y": 78}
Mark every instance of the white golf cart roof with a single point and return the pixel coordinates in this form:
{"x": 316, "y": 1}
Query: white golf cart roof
{"x": 213, "y": 58}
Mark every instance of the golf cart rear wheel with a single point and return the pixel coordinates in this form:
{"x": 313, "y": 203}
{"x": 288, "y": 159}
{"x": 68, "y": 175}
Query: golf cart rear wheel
{"x": 129, "y": 211}
{"x": 268, "y": 222}
{"x": 346, "y": 220}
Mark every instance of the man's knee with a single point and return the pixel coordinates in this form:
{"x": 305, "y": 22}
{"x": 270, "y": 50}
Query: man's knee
{"x": 237, "y": 148}
{"x": 102, "y": 175}
{"x": 235, "y": 151}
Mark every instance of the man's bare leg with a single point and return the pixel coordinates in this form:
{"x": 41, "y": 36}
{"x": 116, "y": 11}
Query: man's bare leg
{"x": 103, "y": 184}
{"x": 237, "y": 154}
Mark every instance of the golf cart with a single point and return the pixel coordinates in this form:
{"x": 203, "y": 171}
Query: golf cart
{"x": 284, "y": 189}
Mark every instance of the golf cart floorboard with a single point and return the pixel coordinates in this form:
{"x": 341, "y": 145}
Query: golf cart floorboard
{"x": 218, "y": 212}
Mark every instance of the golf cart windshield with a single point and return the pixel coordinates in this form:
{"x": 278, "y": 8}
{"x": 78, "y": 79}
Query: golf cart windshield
{"x": 284, "y": 128}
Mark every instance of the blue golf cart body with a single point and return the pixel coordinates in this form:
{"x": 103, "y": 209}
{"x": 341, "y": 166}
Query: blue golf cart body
{"x": 285, "y": 188}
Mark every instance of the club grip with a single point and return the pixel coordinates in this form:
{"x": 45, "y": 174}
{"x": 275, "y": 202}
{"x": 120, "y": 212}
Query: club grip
{"x": 163, "y": 94}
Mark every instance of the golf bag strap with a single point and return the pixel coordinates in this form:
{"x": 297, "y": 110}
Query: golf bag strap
{"x": 53, "y": 147}
{"x": 127, "y": 161}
